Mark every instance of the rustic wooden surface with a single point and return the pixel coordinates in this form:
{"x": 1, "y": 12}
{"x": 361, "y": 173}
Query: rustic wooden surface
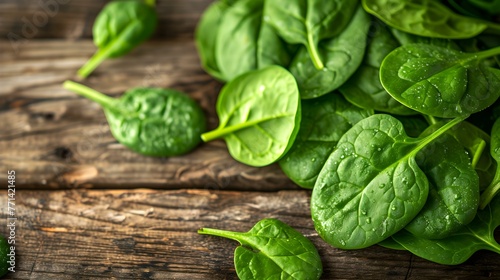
{"x": 88, "y": 208}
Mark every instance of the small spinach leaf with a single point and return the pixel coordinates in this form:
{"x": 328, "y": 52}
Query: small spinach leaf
{"x": 308, "y": 22}
{"x": 440, "y": 82}
{"x": 118, "y": 29}
{"x": 272, "y": 250}
{"x": 259, "y": 114}
{"x": 371, "y": 186}
{"x": 426, "y": 18}
{"x": 341, "y": 56}
{"x": 453, "y": 189}
{"x": 458, "y": 247}
{"x": 494, "y": 187}
{"x": 324, "y": 121}
{"x": 150, "y": 121}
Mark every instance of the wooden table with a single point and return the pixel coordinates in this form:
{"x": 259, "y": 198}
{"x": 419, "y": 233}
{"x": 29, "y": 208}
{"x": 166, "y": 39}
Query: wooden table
{"x": 88, "y": 208}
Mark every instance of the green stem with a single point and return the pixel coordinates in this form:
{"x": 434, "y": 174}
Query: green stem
{"x": 428, "y": 139}
{"x": 488, "y": 53}
{"x": 490, "y": 191}
{"x": 430, "y": 119}
{"x": 477, "y": 154}
{"x": 221, "y": 233}
{"x": 313, "y": 52}
{"x": 221, "y": 132}
{"x": 98, "y": 57}
{"x": 103, "y": 100}
{"x": 151, "y": 3}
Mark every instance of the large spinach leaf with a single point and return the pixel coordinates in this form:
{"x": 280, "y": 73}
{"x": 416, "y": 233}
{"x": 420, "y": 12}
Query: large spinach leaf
{"x": 427, "y": 18}
{"x": 324, "y": 121}
{"x": 259, "y": 115}
{"x": 119, "y": 28}
{"x": 453, "y": 189}
{"x": 308, "y": 22}
{"x": 341, "y": 56}
{"x": 272, "y": 250}
{"x": 494, "y": 187}
{"x": 371, "y": 186}
{"x": 151, "y": 121}
{"x": 439, "y": 81}
{"x": 458, "y": 247}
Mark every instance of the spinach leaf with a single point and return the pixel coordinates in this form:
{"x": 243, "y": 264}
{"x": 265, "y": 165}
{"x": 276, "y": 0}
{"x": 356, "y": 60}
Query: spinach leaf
{"x": 427, "y": 18}
{"x": 205, "y": 38}
{"x": 118, "y": 29}
{"x": 371, "y": 186}
{"x": 248, "y": 40}
{"x": 272, "y": 250}
{"x": 493, "y": 189}
{"x": 414, "y": 125}
{"x": 453, "y": 189}
{"x": 440, "y": 82}
{"x": 477, "y": 144}
{"x": 324, "y": 121}
{"x": 341, "y": 55}
{"x": 364, "y": 88}
{"x": 150, "y": 121}
{"x": 308, "y": 22}
{"x": 259, "y": 115}
{"x": 458, "y": 247}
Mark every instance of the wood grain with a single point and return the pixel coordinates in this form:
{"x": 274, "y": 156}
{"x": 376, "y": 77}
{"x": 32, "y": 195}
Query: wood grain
{"x": 151, "y": 234}
{"x": 41, "y": 19}
{"x": 53, "y": 138}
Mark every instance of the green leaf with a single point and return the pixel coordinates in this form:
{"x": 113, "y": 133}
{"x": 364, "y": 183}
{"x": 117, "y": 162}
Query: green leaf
{"x": 427, "y": 18}
{"x": 364, "y": 88}
{"x": 440, "y": 82}
{"x": 341, "y": 55}
{"x": 150, "y": 121}
{"x": 244, "y": 37}
{"x": 118, "y": 29}
{"x": 494, "y": 187}
{"x": 259, "y": 115}
{"x": 453, "y": 189}
{"x": 458, "y": 247}
{"x": 272, "y": 250}
{"x": 307, "y": 22}
{"x": 205, "y": 38}
{"x": 324, "y": 121}
{"x": 371, "y": 186}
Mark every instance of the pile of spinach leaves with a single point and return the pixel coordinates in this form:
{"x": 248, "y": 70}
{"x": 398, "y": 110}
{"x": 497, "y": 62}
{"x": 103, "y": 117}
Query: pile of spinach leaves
{"x": 396, "y": 132}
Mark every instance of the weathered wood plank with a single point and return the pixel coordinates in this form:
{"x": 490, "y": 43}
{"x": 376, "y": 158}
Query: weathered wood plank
{"x": 54, "y": 138}
{"x": 22, "y": 20}
{"x": 151, "y": 234}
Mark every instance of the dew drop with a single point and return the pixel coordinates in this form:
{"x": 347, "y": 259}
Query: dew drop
{"x": 313, "y": 159}
{"x": 368, "y": 220}
{"x": 342, "y": 242}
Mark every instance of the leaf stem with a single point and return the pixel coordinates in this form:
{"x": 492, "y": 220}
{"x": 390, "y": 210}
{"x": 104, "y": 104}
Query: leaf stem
{"x": 313, "y": 52}
{"x": 477, "y": 154}
{"x": 221, "y": 132}
{"x": 488, "y": 53}
{"x": 99, "y": 56}
{"x": 103, "y": 100}
{"x": 428, "y": 139}
{"x": 221, "y": 233}
{"x": 490, "y": 191}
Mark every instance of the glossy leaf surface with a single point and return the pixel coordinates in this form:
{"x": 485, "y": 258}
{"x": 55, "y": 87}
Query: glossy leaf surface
{"x": 324, "y": 121}
{"x": 259, "y": 115}
{"x": 371, "y": 186}
{"x": 272, "y": 250}
{"x": 440, "y": 82}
